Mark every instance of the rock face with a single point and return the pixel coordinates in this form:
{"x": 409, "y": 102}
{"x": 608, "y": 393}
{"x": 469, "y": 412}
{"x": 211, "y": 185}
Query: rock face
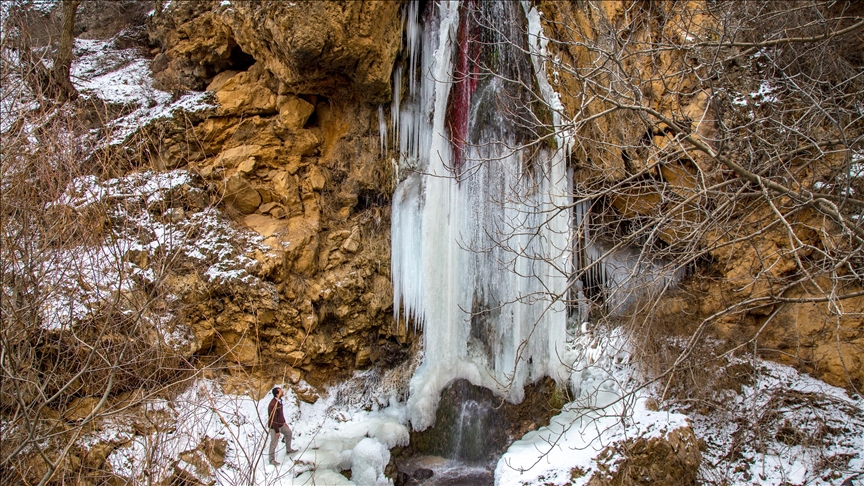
{"x": 746, "y": 261}
{"x": 332, "y": 49}
{"x": 289, "y": 152}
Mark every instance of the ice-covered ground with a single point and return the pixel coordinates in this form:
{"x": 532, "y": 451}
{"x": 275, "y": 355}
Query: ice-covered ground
{"x": 333, "y": 434}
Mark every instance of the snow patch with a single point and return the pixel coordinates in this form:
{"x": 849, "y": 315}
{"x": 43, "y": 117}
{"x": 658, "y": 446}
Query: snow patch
{"x": 783, "y": 428}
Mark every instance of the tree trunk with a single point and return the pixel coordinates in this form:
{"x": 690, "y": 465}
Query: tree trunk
{"x": 63, "y": 60}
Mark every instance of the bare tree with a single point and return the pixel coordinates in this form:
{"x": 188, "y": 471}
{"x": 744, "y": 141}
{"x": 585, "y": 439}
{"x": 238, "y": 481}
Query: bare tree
{"x": 63, "y": 59}
{"x": 716, "y": 150}
{"x": 32, "y": 37}
{"x": 704, "y": 134}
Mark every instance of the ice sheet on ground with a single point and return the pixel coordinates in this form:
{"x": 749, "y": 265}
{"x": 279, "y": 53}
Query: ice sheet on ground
{"x": 330, "y": 435}
{"x": 603, "y": 412}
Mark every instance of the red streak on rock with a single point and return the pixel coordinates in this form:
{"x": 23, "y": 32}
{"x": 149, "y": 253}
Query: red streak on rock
{"x": 465, "y": 78}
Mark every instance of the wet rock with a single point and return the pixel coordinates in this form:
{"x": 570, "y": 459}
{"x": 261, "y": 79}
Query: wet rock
{"x": 421, "y": 474}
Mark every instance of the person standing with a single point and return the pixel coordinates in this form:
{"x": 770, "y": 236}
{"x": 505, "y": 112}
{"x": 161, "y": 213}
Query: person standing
{"x": 276, "y": 424}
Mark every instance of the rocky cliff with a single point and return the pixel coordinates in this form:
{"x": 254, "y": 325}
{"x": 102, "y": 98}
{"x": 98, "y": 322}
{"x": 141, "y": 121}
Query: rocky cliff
{"x": 761, "y": 265}
{"x": 293, "y": 155}
{"x": 277, "y": 186}
{"x": 293, "y": 150}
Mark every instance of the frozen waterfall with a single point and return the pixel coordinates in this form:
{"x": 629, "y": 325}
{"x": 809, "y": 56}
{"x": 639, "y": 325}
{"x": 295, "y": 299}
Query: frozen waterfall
{"x": 481, "y": 232}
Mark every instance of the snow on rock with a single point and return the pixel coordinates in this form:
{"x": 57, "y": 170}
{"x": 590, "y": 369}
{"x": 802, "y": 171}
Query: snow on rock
{"x": 159, "y": 221}
{"x": 368, "y": 460}
{"x": 114, "y": 75}
{"x": 782, "y": 427}
{"x": 147, "y": 208}
{"x": 123, "y": 77}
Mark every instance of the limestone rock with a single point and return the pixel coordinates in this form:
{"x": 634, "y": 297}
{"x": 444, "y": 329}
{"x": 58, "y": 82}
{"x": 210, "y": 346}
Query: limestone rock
{"x": 196, "y": 44}
{"x": 333, "y": 49}
{"x": 246, "y": 94}
{"x": 263, "y": 225}
{"x": 239, "y": 348}
{"x": 294, "y": 111}
{"x": 306, "y": 393}
{"x": 240, "y": 194}
{"x": 352, "y": 243}
{"x": 327, "y": 48}
{"x": 292, "y": 146}
{"x": 236, "y": 156}
{"x": 97, "y": 454}
{"x": 220, "y": 79}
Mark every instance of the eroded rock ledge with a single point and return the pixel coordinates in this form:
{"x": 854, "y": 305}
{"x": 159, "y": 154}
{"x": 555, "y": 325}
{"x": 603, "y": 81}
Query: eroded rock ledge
{"x": 290, "y": 153}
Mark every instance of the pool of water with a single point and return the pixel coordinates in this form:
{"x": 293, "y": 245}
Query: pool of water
{"x": 445, "y": 472}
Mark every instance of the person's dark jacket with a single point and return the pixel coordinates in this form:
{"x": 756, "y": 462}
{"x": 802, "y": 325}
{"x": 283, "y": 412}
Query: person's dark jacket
{"x": 275, "y": 418}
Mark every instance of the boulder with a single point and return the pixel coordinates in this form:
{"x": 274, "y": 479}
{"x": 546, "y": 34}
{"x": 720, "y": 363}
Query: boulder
{"x": 240, "y": 194}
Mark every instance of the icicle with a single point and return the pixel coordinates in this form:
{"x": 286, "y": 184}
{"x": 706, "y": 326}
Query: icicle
{"x": 382, "y": 131}
{"x": 413, "y": 31}
{"x": 394, "y": 105}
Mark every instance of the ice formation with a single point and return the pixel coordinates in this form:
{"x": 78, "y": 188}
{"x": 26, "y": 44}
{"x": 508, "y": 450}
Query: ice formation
{"x": 480, "y": 254}
{"x": 368, "y": 460}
